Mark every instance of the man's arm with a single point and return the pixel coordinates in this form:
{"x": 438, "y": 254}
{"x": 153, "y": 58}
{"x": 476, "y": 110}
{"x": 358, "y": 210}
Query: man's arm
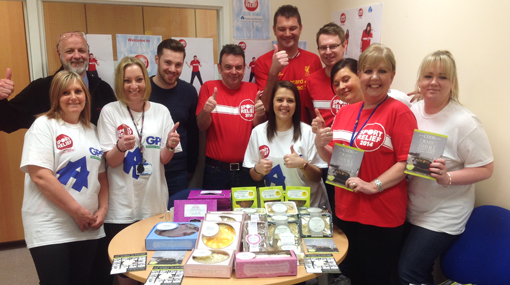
{"x": 279, "y": 61}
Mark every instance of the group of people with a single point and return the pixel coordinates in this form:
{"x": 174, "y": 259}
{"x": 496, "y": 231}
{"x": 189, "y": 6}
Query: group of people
{"x": 80, "y": 177}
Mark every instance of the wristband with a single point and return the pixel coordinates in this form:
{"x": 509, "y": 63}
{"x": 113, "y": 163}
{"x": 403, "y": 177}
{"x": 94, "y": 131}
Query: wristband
{"x": 171, "y": 149}
{"x": 117, "y": 144}
{"x": 450, "y": 182}
{"x": 255, "y": 169}
{"x": 379, "y": 185}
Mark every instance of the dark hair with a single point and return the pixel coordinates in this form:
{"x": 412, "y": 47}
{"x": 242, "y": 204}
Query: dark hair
{"x": 350, "y": 63}
{"x": 296, "y": 118}
{"x": 232, "y": 49}
{"x": 331, "y": 29}
{"x": 287, "y": 11}
{"x": 368, "y": 25}
{"x": 173, "y": 45}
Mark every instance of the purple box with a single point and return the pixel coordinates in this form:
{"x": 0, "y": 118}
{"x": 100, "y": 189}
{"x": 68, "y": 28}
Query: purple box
{"x": 187, "y": 210}
{"x": 222, "y": 196}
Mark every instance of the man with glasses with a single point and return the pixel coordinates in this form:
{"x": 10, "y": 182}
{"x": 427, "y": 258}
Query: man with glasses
{"x": 287, "y": 61}
{"x": 21, "y": 111}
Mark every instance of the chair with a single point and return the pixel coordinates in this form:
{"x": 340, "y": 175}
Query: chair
{"x": 482, "y": 254}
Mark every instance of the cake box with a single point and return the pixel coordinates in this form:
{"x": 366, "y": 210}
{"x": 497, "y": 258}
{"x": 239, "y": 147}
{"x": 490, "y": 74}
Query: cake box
{"x": 173, "y": 236}
{"x": 266, "y": 264}
{"x": 221, "y": 196}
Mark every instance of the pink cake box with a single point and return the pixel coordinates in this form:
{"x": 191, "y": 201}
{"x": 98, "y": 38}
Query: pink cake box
{"x": 223, "y": 269}
{"x": 222, "y": 196}
{"x": 187, "y": 210}
{"x": 255, "y": 265}
{"x": 213, "y": 230}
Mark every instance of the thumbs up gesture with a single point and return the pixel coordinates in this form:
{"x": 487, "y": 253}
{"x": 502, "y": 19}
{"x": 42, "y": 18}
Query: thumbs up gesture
{"x": 210, "y": 104}
{"x": 127, "y": 141}
{"x": 6, "y": 85}
{"x": 280, "y": 60}
{"x": 293, "y": 160}
{"x": 264, "y": 165}
{"x": 173, "y": 137}
{"x": 323, "y": 135}
{"x": 260, "y": 110}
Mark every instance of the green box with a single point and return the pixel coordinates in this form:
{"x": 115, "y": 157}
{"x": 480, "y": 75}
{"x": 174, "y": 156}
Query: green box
{"x": 298, "y": 194}
{"x": 244, "y": 197}
{"x": 270, "y": 194}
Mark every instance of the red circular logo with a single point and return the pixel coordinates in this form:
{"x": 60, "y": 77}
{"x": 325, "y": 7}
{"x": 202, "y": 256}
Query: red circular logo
{"x": 371, "y": 137}
{"x": 183, "y": 42}
{"x": 247, "y": 109}
{"x": 242, "y": 45}
{"x": 343, "y": 17}
{"x": 143, "y": 59}
{"x": 360, "y": 12}
{"x": 264, "y": 149}
{"x": 336, "y": 104}
{"x": 251, "y": 5}
{"x": 120, "y": 131}
{"x": 64, "y": 142}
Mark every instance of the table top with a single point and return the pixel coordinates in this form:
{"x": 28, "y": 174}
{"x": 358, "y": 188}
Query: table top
{"x": 132, "y": 240}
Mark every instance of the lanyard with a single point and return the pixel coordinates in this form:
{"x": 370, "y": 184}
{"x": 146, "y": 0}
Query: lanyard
{"x": 354, "y": 134}
{"x": 140, "y": 167}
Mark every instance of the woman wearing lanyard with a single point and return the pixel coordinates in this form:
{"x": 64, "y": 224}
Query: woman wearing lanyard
{"x": 373, "y": 214}
{"x": 138, "y": 137}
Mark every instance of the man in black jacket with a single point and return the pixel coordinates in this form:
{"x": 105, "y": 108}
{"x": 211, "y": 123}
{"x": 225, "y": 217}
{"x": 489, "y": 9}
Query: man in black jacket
{"x": 21, "y": 111}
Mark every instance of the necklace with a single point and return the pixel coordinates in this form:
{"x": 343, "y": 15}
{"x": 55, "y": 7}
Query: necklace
{"x": 140, "y": 167}
{"x": 354, "y": 134}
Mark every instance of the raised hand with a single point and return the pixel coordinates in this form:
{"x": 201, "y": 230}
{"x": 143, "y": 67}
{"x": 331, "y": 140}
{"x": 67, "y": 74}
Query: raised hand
{"x": 173, "y": 137}
{"x": 6, "y": 85}
{"x": 210, "y": 104}
{"x": 264, "y": 165}
{"x": 127, "y": 141}
{"x": 317, "y": 122}
{"x": 280, "y": 60}
{"x": 293, "y": 160}
{"x": 260, "y": 110}
{"x": 323, "y": 135}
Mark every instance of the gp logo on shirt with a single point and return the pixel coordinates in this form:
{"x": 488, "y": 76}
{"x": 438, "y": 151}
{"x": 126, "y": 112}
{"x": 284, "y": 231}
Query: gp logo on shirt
{"x": 120, "y": 131}
{"x": 95, "y": 153}
{"x": 64, "y": 142}
{"x": 371, "y": 137}
{"x": 264, "y": 149}
{"x": 153, "y": 142}
{"x": 247, "y": 109}
{"x": 336, "y": 105}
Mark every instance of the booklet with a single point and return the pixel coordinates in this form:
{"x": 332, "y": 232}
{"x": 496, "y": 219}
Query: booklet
{"x": 167, "y": 258}
{"x": 321, "y": 263}
{"x": 163, "y": 275}
{"x": 320, "y": 245}
{"x": 345, "y": 162}
{"x": 425, "y": 147}
{"x": 123, "y": 263}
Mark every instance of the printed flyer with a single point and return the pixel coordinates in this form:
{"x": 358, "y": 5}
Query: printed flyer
{"x": 425, "y": 147}
{"x": 345, "y": 163}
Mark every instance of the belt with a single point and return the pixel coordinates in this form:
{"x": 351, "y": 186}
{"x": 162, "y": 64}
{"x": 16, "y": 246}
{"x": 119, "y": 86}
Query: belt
{"x": 223, "y": 165}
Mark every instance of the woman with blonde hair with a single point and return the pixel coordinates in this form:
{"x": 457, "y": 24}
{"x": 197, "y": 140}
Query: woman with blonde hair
{"x": 438, "y": 210}
{"x": 66, "y": 191}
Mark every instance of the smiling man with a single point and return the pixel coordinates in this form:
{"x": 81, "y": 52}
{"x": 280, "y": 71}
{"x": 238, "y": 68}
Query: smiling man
{"x": 180, "y": 98}
{"x": 287, "y": 61}
{"x": 21, "y": 111}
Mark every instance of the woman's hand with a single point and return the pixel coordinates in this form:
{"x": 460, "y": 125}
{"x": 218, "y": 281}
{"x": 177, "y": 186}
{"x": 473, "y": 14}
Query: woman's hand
{"x": 99, "y": 216}
{"x": 264, "y": 165}
{"x": 358, "y": 185}
{"x": 293, "y": 160}
{"x": 438, "y": 170}
{"x": 259, "y": 106}
{"x": 83, "y": 218}
{"x": 173, "y": 137}
{"x": 323, "y": 135}
{"x": 127, "y": 141}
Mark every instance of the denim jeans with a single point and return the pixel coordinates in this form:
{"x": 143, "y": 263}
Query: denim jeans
{"x": 176, "y": 181}
{"x": 216, "y": 178}
{"x": 421, "y": 249}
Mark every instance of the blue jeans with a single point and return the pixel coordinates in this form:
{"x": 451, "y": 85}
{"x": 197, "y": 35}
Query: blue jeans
{"x": 176, "y": 181}
{"x": 421, "y": 249}
{"x": 216, "y": 178}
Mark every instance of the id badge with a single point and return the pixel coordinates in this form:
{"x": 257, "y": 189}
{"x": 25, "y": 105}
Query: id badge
{"x": 147, "y": 169}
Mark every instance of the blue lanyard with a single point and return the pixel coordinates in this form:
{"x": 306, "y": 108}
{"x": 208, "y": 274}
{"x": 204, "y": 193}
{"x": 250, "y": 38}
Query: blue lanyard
{"x": 354, "y": 134}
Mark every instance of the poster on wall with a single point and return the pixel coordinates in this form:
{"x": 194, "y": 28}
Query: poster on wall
{"x": 140, "y": 46}
{"x": 362, "y": 26}
{"x": 251, "y": 19}
{"x": 101, "y": 57}
{"x": 252, "y": 51}
{"x": 199, "y": 62}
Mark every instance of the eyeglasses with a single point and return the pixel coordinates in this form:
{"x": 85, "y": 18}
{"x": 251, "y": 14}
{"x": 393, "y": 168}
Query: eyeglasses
{"x": 331, "y": 47}
{"x": 70, "y": 34}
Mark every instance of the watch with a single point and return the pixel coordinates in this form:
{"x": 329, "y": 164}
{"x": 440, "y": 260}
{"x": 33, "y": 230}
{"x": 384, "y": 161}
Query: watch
{"x": 378, "y": 183}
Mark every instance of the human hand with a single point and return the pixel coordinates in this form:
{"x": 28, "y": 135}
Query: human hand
{"x": 83, "y": 218}
{"x": 173, "y": 137}
{"x": 359, "y": 185}
{"x": 264, "y": 165}
{"x": 323, "y": 135}
{"x": 439, "y": 172}
{"x": 317, "y": 122}
{"x": 415, "y": 95}
{"x": 280, "y": 60}
{"x": 260, "y": 110}
{"x": 99, "y": 216}
{"x": 6, "y": 85}
{"x": 293, "y": 160}
{"x": 127, "y": 141}
{"x": 210, "y": 104}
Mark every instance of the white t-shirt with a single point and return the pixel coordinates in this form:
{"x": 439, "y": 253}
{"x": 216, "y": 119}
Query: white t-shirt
{"x": 134, "y": 197}
{"x": 400, "y": 96}
{"x": 74, "y": 155}
{"x": 280, "y": 175}
{"x": 431, "y": 205}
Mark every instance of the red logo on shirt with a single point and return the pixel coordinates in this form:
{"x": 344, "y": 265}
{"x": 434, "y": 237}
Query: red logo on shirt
{"x": 144, "y": 59}
{"x": 360, "y": 13}
{"x": 247, "y": 109}
{"x": 343, "y": 17}
{"x": 264, "y": 149}
{"x": 120, "y": 131}
{"x": 242, "y": 45}
{"x": 336, "y": 105}
{"x": 251, "y": 5}
{"x": 183, "y": 42}
{"x": 371, "y": 137}
{"x": 64, "y": 142}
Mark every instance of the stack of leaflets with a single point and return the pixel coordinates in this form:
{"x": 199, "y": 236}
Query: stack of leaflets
{"x": 123, "y": 263}
{"x": 168, "y": 269}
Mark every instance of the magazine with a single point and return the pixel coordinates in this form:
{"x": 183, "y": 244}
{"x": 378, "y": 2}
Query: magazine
{"x": 345, "y": 162}
{"x": 425, "y": 148}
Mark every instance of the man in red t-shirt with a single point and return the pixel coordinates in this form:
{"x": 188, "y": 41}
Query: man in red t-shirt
{"x": 287, "y": 61}
{"x": 227, "y": 110}
{"x": 251, "y": 66}
{"x": 92, "y": 65}
{"x": 195, "y": 72}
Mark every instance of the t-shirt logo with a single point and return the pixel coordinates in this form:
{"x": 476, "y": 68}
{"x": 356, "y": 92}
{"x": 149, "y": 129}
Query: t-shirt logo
{"x": 307, "y": 71}
{"x": 336, "y": 105}
{"x": 64, "y": 142}
{"x": 120, "y": 131}
{"x": 247, "y": 110}
{"x": 371, "y": 137}
{"x": 264, "y": 149}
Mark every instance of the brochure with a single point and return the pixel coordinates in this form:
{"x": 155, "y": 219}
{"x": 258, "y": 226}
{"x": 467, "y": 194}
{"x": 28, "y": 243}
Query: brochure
{"x": 167, "y": 258}
{"x": 345, "y": 163}
{"x": 123, "y": 263}
{"x": 320, "y": 245}
{"x": 321, "y": 263}
{"x": 425, "y": 148}
{"x": 163, "y": 275}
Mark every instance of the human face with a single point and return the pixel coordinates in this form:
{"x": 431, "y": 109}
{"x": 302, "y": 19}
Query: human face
{"x": 72, "y": 102}
{"x": 74, "y": 54}
{"x": 134, "y": 84}
{"x": 287, "y": 32}
{"x": 435, "y": 86}
{"x": 331, "y": 49}
{"x": 347, "y": 86}
{"x": 169, "y": 68}
{"x": 284, "y": 104}
{"x": 231, "y": 70}
{"x": 375, "y": 81}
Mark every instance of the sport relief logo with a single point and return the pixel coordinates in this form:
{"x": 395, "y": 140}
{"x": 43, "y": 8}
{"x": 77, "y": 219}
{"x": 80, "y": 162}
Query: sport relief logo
{"x": 144, "y": 59}
{"x": 251, "y": 5}
{"x": 336, "y": 104}
{"x": 120, "y": 131}
{"x": 371, "y": 137}
{"x": 183, "y": 42}
{"x": 360, "y": 13}
{"x": 247, "y": 110}
{"x": 264, "y": 149}
{"x": 242, "y": 45}
{"x": 343, "y": 17}
{"x": 64, "y": 143}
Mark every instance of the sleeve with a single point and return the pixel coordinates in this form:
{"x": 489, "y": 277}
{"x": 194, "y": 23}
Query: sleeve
{"x": 193, "y": 137}
{"x": 403, "y": 130}
{"x": 107, "y": 130}
{"x": 307, "y": 99}
{"x": 261, "y": 73}
{"x": 202, "y": 97}
{"x": 475, "y": 149}
{"x": 38, "y": 147}
{"x": 251, "y": 156}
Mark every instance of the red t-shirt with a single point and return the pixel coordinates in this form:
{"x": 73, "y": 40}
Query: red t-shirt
{"x": 318, "y": 94}
{"x": 252, "y": 66}
{"x": 299, "y": 68}
{"x": 386, "y": 139}
{"x": 92, "y": 64}
{"x": 232, "y": 120}
{"x": 195, "y": 64}
{"x": 365, "y": 40}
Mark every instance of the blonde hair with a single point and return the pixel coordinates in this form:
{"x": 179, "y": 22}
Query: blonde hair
{"x": 448, "y": 67}
{"x": 61, "y": 81}
{"x": 374, "y": 54}
{"x": 119, "y": 79}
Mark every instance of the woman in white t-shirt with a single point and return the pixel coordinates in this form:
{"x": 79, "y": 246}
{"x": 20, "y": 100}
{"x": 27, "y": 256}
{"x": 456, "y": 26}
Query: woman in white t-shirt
{"x": 438, "y": 210}
{"x": 66, "y": 192}
{"x": 282, "y": 152}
